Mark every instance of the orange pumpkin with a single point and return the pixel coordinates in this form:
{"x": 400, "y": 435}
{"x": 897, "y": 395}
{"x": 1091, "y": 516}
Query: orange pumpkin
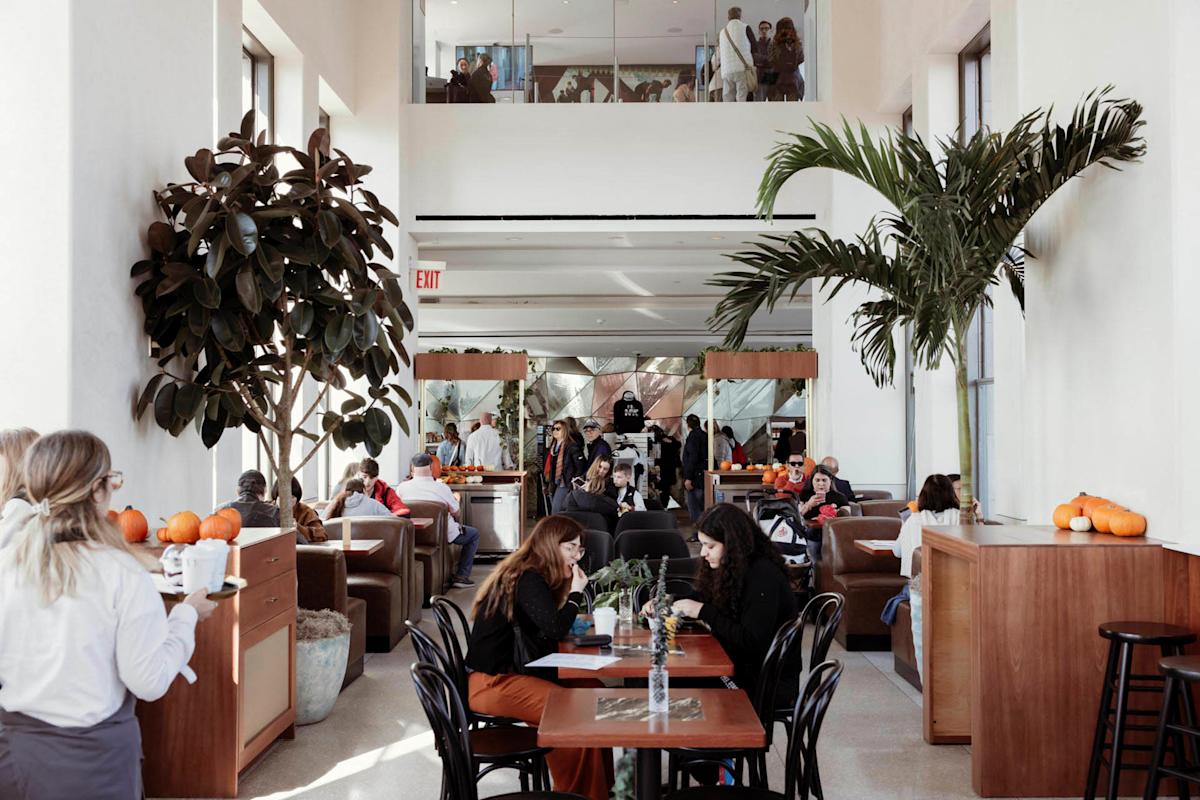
{"x": 133, "y": 525}
{"x": 1079, "y": 498}
{"x": 436, "y": 467}
{"x": 1127, "y": 523}
{"x": 912, "y": 506}
{"x": 1102, "y": 516}
{"x": 112, "y": 516}
{"x": 216, "y": 527}
{"x": 810, "y": 467}
{"x": 725, "y": 466}
{"x": 184, "y": 528}
{"x": 1064, "y": 513}
{"x": 163, "y": 535}
{"x": 768, "y": 477}
{"x": 235, "y": 519}
{"x": 1091, "y": 504}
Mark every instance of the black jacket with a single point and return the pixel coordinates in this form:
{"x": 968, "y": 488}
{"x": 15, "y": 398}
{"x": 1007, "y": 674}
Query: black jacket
{"x": 833, "y": 496}
{"x": 668, "y": 461}
{"x": 479, "y": 88}
{"x": 603, "y": 504}
{"x": 695, "y": 457}
{"x": 843, "y": 488}
{"x": 536, "y": 616}
{"x": 598, "y": 448}
{"x": 574, "y": 465}
{"x": 765, "y": 604}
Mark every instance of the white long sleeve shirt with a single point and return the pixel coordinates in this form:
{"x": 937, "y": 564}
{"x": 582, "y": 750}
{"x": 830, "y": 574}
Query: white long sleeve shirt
{"x": 426, "y": 488}
{"x": 71, "y": 663}
{"x": 910, "y": 534}
{"x": 483, "y": 448}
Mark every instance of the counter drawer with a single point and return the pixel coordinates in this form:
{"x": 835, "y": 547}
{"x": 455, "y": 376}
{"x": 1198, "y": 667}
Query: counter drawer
{"x": 263, "y": 561}
{"x": 265, "y": 600}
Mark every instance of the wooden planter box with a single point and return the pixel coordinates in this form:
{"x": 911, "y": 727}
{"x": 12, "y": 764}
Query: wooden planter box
{"x": 471, "y": 366}
{"x": 785, "y": 365}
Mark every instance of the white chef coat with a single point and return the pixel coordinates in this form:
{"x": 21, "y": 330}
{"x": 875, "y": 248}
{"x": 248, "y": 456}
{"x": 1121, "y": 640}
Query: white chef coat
{"x": 483, "y": 448}
{"x": 71, "y": 663}
{"x": 426, "y": 488}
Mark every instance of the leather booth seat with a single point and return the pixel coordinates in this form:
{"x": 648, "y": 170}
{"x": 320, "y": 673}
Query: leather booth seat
{"x": 904, "y": 654}
{"x": 883, "y": 508}
{"x": 389, "y": 581}
{"x": 436, "y": 556}
{"x": 866, "y": 581}
{"x": 321, "y": 584}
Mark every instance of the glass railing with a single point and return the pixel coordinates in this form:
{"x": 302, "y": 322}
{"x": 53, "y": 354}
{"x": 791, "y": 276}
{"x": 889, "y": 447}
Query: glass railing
{"x": 667, "y": 51}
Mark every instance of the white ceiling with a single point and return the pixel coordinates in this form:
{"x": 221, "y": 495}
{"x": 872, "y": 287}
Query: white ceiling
{"x": 588, "y": 293}
{"x": 648, "y": 31}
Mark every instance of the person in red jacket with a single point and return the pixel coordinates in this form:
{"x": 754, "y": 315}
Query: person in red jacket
{"x": 368, "y": 471}
{"x": 793, "y": 480}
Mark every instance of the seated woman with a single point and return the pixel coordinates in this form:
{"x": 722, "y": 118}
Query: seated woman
{"x": 85, "y": 634}
{"x": 742, "y": 593}
{"x": 817, "y": 493}
{"x": 256, "y": 513}
{"x": 352, "y": 501}
{"x": 526, "y": 606}
{"x": 936, "y": 505}
{"x": 596, "y": 493}
{"x": 308, "y": 523}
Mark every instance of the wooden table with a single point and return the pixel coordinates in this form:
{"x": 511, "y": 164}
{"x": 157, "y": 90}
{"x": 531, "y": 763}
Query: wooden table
{"x": 1013, "y": 661}
{"x": 421, "y": 523}
{"x": 869, "y": 546}
{"x": 703, "y": 656}
{"x": 569, "y": 720}
{"x": 358, "y": 547}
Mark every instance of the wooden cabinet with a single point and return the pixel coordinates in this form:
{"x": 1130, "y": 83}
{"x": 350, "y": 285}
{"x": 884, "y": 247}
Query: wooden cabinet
{"x": 199, "y": 737}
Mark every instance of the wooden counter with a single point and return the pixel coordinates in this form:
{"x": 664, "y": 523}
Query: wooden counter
{"x": 735, "y": 484}
{"x": 1013, "y": 663}
{"x": 199, "y": 737}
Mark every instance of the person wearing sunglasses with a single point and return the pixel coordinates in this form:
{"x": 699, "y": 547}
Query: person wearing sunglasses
{"x": 564, "y": 463}
{"x": 794, "y": 479}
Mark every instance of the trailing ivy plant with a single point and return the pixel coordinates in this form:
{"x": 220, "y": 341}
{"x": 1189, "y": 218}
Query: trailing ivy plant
{"x": 265, "y": 273}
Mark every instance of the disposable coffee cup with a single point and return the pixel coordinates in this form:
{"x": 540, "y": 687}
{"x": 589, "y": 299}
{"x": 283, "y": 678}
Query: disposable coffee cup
{"x": 196, "y": 571}
{"x": 606, "y": 621}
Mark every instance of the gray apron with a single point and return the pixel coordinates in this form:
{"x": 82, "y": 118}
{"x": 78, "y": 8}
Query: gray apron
{"x": 40, "y": 761}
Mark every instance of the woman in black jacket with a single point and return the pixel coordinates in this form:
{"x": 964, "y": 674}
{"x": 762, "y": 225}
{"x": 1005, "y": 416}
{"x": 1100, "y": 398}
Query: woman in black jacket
{"x": 596, "y": 493}
{"x": 526, "y": 606}
{"x": 564, "y": 463}
{"x": 479, "y": 87}
{"x": 816, "y": 494}
{"x": 742, "y": 593}
{"x": 460, "y": 79}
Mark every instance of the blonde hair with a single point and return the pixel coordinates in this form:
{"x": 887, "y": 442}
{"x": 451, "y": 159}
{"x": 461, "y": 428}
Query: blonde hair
{"x": 595, "y": 482}
{"x": 13, "y": 444}
{"x": 61, "y": 469}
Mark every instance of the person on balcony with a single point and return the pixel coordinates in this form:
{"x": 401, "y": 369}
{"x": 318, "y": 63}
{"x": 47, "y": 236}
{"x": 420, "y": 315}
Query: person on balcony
{"x": 255, "y": 511}
{"x": 368, "y": 473}
{"x": 422, "y": 487}
{"x": 479, "y": 87}
{"x": 762, "y": 48}
{"x": 736, "y": 49}
{"x": 784, "y": 59}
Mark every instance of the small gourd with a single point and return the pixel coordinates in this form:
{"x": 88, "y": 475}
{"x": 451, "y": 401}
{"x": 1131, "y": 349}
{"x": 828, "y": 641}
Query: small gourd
{"x": 1081, "y": 524}
{"x": 1064, "y": 513}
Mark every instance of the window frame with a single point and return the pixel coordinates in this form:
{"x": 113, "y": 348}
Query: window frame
{"x": 970, "y": 83}
{"x": 262, "y": 72}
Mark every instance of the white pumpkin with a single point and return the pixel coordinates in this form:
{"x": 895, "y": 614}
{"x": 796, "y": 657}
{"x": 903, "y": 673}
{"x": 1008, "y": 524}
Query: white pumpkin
{"x": 1081, "y": 524}
{"x": 736, "y": 467}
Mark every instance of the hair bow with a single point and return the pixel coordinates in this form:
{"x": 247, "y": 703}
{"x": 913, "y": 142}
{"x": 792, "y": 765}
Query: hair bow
{"x": 42, "y": 507}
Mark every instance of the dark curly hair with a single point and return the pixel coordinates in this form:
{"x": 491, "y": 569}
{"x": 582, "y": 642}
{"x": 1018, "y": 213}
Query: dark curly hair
{"x": 744, "y": 543}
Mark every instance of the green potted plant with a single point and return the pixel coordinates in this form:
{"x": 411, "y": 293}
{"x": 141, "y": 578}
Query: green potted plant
{"x": 263, "y": 276}
{"x": 615, "y": 584}
{"x": 959, "y": 211}
{"x": 322, "y": 649}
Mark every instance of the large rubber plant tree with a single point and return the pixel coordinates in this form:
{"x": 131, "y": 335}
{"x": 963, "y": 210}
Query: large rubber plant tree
{"x": 263, "y": 277}
{"x": 954, "y": 232}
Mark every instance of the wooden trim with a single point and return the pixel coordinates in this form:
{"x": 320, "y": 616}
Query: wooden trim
{"x": 471, "y": 366}
{"x": 789, "y": 364}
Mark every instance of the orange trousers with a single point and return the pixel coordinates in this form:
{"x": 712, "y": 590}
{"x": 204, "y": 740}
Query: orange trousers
{"x": 588, "y": 772}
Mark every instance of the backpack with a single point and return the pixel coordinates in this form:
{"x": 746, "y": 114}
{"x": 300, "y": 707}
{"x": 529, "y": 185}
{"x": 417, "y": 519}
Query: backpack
{"x": 778, "y": 515}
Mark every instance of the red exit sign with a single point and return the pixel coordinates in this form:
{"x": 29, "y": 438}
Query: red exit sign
{"x": 427, "y": 275}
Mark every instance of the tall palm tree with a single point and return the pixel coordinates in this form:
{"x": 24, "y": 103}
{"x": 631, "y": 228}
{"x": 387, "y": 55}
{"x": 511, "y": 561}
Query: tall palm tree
{"x": 954, "y": 232}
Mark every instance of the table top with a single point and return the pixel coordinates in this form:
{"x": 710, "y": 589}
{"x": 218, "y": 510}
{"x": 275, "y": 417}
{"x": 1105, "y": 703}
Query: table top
{"x": 421, "y": 523}
{"x": 569, "y": 720}
{"x": 356, "y": 546}
{"x": 703, "y": 656}
{"x": 966, "y": 540}
{"x": 874, "y": 546}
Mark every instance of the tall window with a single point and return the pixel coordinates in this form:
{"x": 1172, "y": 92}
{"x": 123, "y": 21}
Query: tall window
{"x": 258, "y": 90}
{"x": 323, "y": 121}
{"x": 975, "y": 95}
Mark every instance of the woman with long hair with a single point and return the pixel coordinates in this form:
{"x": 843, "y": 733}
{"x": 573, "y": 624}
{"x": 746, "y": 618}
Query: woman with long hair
{"x": 522, "y": 611}
{"x": 84, "y": 631}
{"x": 14, "y": 504}
{"x": 307, "y": 520}
{"x": 352, "y": 501}
{"x": 564, "y": 463}
{"x": 784, "y": 56}
{"x": 816, "y": 495}
{"x": 596, "y": 492}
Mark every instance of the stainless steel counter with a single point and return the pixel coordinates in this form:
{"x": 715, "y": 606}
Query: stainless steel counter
{"x": 495, "y": 509}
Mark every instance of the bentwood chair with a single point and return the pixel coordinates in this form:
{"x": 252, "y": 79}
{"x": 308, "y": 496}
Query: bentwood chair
{"x": 454, "y": 629}
{"x": 490, "y": 749}
{"x": 800, "y": 768}
{"x": 456, "y": 742}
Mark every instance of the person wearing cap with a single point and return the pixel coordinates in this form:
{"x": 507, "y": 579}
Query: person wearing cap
{"x": 422, "y": 486}
{"x": 483, "y": 446}
{"x": 594, "y": 445}
{"x": 255, "y": 511}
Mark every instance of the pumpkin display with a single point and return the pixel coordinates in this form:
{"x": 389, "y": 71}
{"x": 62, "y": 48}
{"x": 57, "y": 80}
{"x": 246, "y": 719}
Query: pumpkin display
{"x": 1126, "y": 523}
{"x": 768, "y": 477}
{"x": 737, "y": 467}
{"x": 1102, "y": 515}
{"x": 235, "y": 519}
{"x": 1091, "y": 504}
{"x": 435, "y": 466}
{"x": 184, "y": 528}
{"x": 912, "y": 506}
{"x": 133, "y": 525}
{"x": 1063, "y": 514}
{"x": 163, "y": 535}
{"x": 1079, "y": 498}
{"x": 726, "y": 466}
{"x": 216, "y": 526}
{"x": 1081, "y": 524}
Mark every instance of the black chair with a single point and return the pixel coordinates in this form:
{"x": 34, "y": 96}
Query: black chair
{"x": 783, "y": 651}
{"x": 491, "y": 748}
{"x": 654, "y": 504}
{"x": 676, "y": 587}
{"x": 590, "y": 520}
{"x": 599, "y": 547}
{"x": 652, "y": 544}
{"x": 455, "y": 740}
{"x": 452, "y": 625}
{"x": 1181, "y": 672}
{"x": 646, "y": 521}
{"x": 800, "y": 767}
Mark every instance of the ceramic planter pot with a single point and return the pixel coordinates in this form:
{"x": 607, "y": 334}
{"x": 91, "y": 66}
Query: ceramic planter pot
{"x": 320, "y": 669}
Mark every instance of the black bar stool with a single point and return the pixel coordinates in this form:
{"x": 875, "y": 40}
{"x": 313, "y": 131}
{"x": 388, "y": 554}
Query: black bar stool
{"x": 1181, "y": 672}
{"x": 1120, "y": 679}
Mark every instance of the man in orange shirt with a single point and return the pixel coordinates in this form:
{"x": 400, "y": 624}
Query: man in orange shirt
{"x": 792, "y": 480}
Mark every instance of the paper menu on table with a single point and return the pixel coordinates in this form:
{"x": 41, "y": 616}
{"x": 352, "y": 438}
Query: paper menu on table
{"x": 573, "y": 661}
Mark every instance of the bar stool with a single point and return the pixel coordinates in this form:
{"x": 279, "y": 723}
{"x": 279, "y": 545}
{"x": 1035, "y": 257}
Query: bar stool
{"x": 1119, "y": 678}
{"x": 1180, "y": 672}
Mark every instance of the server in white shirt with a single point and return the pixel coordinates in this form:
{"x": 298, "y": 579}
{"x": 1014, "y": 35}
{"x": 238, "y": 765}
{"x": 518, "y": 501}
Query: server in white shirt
{"x": 423, "y": 486}
{"x": 84, "y": 634}
{"x": 483, "y": 446}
